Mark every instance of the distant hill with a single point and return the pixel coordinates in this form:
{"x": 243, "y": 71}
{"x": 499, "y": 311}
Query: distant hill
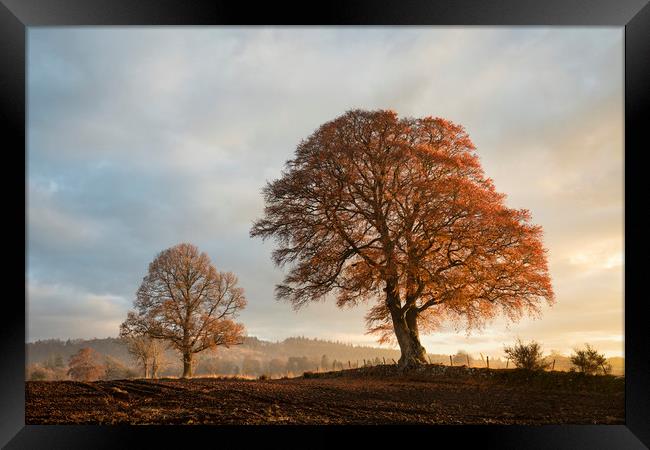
{"x": 252, "y": 357}
{"x": 256, "y": 357}
{"x": 40, "y": 351}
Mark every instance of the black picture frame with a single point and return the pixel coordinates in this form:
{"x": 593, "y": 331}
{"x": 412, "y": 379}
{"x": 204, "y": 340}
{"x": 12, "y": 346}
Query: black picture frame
{"x": 633, "y": 15}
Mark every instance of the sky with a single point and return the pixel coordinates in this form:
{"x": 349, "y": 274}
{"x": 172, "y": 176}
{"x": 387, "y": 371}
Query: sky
{"x": 142, "y": 138}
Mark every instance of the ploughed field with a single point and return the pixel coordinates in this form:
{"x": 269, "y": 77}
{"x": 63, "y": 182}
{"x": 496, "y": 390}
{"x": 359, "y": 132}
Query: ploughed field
{"x": 376, "y": 395}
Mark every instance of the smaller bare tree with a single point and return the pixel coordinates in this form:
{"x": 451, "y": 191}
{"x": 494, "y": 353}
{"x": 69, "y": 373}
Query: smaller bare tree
{"x": 527, "y": 356}
{"x": 85, "y": 365}
{"x": 589, "y": 361}
{"x": 158, "y": 358}
{"x": 148, "y": 352}
{"x": 187, "y": 303}
{"x": 116, "y": 369}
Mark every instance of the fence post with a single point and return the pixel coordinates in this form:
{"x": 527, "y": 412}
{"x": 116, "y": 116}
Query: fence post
{"x": 553, "y": 368}
{"x": 507, "y": 362}
{"x": 451, "y": 361}
{"x": 384, "y": 360}
{"x": 488, "y": 361}
{"x": 468, "y": 364}
{"x": 349, "y": 365}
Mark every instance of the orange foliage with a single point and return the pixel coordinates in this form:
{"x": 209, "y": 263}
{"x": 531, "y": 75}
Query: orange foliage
{"x": 85, "y": 365}
{"x": 399, "y": 210}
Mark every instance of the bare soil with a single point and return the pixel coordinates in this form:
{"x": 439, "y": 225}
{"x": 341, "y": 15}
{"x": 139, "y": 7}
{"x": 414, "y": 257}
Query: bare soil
{"x": 378, "y": 395}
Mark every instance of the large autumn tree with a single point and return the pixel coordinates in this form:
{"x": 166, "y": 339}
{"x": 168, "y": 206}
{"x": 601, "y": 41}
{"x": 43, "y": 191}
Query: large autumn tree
{"x": 185, "y": 301}
{"x": 399, "y": 211}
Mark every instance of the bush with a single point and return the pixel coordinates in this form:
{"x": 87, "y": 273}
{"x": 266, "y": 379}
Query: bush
{"x": 85, "y": 365}
{"x": 262, "y": 377}
{"x": 589, "y": 361}
{"x": 38, "y": 375}
{"x": 41, "y": 372}
{"x": 527, "y": 356}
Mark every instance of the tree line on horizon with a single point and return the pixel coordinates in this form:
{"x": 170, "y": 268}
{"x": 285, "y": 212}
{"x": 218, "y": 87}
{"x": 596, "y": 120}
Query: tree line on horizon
{"x": 49, "y": 360}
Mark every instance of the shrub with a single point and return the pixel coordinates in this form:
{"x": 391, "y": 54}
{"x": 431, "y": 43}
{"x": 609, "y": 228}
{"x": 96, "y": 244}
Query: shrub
{"x": 262, "y": 377}
{"x": 527, "y": 356}
{"x": 38, "y": 375}
{"x": 589, "y": 361}
{"x": 41, "y": 371}
{"x": 85, "y": 365}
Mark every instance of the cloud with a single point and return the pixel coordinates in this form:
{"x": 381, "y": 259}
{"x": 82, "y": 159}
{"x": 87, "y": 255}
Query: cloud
{"x": 56, "y": 309}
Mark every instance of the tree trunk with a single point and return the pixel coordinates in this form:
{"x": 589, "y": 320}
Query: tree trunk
{"x": 408, "y": 338}
{"x": 146, "y": 370}
{"x": 187, "y": 365}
